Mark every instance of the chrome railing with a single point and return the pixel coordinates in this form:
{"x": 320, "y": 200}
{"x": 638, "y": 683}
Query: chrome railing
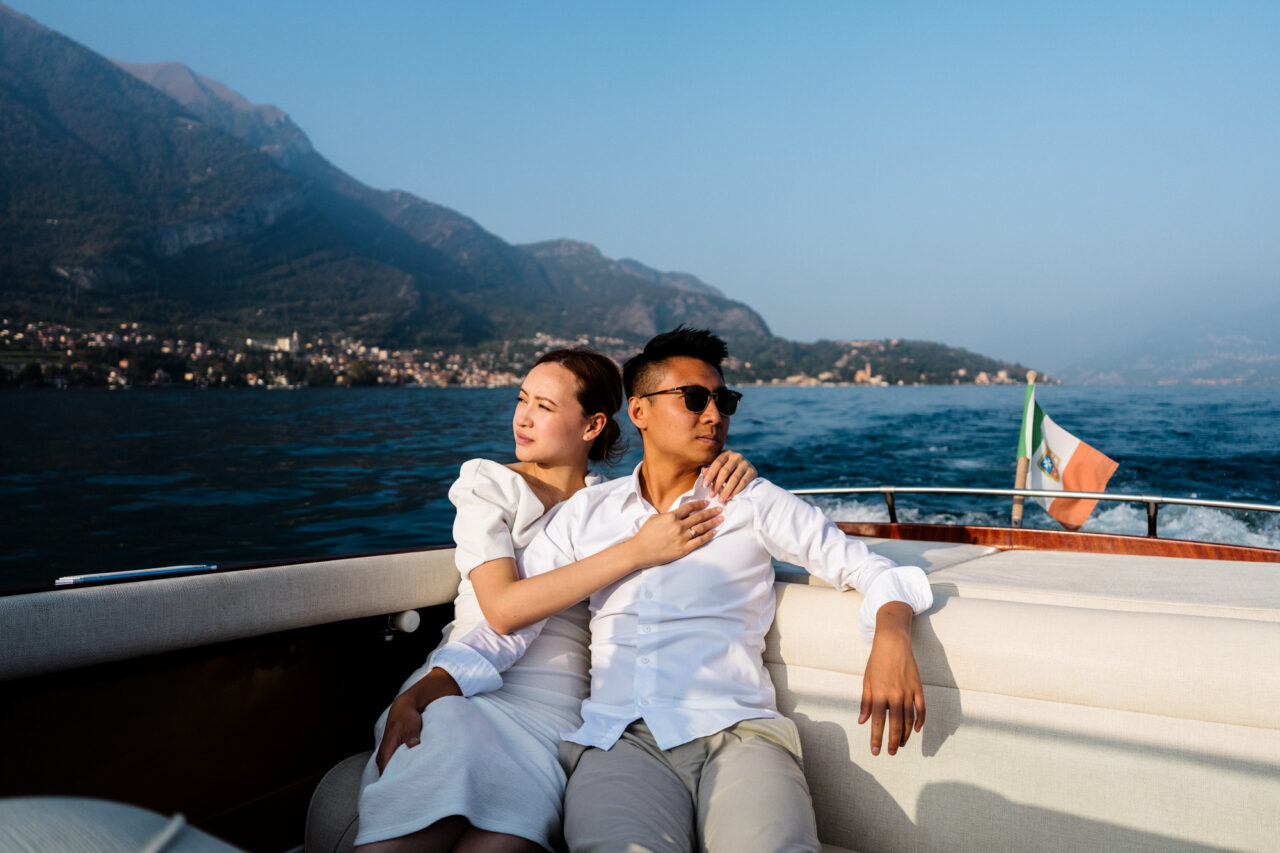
{"x": 1153, "y": 502}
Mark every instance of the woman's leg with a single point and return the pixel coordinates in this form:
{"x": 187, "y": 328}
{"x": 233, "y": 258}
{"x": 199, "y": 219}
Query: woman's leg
{"x": 439, "y": 836}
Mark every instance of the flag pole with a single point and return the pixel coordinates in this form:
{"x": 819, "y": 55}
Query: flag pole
{"x": 1024, "y": 461}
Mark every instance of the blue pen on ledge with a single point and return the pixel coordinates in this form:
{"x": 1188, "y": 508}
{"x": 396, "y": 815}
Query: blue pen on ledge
{"x": 133, "y": 574}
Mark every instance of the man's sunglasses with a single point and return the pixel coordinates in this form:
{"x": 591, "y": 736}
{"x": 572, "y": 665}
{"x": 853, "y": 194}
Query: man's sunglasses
{"x": 696, "y": 398}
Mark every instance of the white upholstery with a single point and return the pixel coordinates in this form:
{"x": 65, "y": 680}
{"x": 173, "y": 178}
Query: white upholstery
{"x": 1048, "y": 728}
{"x": 930, "y": 556}
{"x": 1119, "y": 582}
{"x": 67, "y": 628}
{"x": 1061, "y": 717}
{"x": 332, "y": 821}
{"x": 36, "y": 824}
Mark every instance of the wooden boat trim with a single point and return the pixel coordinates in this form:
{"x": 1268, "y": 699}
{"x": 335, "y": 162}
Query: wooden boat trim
{"x": 1025, "y": 539}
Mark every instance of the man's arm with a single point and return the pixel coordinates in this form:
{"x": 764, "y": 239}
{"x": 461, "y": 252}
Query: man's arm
{"x": 798, "y": 532}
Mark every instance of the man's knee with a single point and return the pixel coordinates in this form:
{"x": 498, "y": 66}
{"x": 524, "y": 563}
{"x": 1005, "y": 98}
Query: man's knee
{"x": 754, "y": 797}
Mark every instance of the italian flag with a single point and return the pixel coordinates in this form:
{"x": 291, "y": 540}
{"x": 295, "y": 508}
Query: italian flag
{"x": 1060, "y": 461}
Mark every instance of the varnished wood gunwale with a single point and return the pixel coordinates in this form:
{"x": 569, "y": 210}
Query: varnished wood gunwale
{"x": 1024, "y": 539}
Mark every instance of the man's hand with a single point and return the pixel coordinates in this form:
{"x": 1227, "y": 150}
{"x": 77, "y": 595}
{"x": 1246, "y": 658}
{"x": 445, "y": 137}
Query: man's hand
{"x": 891, "y": 684}
{"x": 404, "y": 719}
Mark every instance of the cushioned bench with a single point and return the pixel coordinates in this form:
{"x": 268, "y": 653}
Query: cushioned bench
{"x": 1049, "y": 727}
{"x": 1116, "y": 716}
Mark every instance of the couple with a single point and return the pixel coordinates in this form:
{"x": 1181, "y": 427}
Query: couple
{"x": 672, "y": 741}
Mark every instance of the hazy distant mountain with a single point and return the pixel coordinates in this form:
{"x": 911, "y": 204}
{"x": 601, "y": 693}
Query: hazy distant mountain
{"x": 1233, "y": 340}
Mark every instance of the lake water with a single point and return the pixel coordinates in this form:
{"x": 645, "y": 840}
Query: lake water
{"x": 95, "y": 481}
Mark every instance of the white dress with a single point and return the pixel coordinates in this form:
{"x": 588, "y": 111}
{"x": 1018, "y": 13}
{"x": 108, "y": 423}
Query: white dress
{"x": 493, "y": 757}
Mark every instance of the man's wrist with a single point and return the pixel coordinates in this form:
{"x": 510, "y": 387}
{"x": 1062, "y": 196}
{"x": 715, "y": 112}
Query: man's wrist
{"x": 893, "y": 619}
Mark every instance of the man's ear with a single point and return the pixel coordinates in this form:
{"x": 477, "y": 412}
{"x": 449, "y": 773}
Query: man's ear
{"x": 638, "y": 413}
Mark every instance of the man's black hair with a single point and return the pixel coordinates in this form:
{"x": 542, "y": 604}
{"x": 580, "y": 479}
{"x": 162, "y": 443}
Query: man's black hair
{"x": 642, "y": 368}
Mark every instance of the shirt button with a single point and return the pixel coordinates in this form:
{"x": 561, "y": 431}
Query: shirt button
{"x": 648, "y": 594}
{"x": 644, "y": 629}
{"x": 644, "y": 659}
{"x": 644, "y": 701}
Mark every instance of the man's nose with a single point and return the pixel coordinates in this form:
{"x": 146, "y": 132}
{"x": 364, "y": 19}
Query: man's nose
{"x": 711, "y": 413}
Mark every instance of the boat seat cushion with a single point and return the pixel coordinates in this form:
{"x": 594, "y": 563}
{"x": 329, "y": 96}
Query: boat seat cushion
{"x": 1049, "y": 727}
{"x": 68, "y": 628}
{"x": 929, "y": 556}
{"x": 1231, "y": 589}
{"x": 332, "y": 818}
{"x": 79, "y": 823}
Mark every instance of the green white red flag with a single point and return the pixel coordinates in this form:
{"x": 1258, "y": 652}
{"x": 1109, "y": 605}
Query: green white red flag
{"x": 1061, "y": 462}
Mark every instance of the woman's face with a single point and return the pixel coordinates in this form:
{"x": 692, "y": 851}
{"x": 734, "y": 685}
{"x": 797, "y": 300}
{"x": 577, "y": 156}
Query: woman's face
{"x": 549, "y": 424}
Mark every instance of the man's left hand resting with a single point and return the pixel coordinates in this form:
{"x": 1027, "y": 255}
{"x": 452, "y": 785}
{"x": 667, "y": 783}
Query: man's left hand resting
{"x": 891, "y": 683}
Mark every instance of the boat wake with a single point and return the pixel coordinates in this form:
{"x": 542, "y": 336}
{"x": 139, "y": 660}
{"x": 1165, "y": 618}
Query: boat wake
{"x": 1202, "y": 524}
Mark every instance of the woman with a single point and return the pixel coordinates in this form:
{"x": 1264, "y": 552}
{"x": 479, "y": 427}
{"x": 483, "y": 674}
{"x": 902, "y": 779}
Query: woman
{"x": 486, "y": 775}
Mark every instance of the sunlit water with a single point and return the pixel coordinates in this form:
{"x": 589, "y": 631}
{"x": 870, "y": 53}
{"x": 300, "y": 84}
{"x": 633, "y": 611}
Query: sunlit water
{"x": 94, "y": 481}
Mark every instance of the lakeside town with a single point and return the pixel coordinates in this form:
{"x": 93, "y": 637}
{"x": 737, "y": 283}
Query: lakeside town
{"x": 126, "y": 355}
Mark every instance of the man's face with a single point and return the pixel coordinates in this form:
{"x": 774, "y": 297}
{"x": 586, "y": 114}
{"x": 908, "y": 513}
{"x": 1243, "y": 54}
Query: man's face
{"x": 670, "y": 431}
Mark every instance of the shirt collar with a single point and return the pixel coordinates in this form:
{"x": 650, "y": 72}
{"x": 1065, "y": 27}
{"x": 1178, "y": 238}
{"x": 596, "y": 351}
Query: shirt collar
{"x": 633, "y": 493}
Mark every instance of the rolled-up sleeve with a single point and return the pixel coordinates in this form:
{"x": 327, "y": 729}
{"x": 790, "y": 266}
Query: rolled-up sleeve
{"x": 798, "y": 532}
{"x": 478, "y": 660}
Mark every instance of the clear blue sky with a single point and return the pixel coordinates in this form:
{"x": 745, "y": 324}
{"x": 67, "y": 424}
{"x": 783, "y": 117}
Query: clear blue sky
{"x": 1027, "y": 180}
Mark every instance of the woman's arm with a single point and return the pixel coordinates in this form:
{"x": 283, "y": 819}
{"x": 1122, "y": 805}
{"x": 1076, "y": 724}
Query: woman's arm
{"x": 510, "y": 602}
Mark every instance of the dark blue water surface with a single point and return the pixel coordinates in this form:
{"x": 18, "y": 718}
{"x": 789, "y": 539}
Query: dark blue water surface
{"x": 95, "y": 481}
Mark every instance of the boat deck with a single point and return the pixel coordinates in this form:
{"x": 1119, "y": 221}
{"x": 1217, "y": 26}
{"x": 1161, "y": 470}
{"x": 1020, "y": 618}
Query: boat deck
{"x": 1132, "y": 582}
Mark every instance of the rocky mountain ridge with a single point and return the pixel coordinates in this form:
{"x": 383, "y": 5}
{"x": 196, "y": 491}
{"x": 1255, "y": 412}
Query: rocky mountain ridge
{"x": 154, "y": 195}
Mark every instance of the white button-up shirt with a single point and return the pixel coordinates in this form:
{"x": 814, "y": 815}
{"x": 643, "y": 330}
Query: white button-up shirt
{"x": 681, "y": 645}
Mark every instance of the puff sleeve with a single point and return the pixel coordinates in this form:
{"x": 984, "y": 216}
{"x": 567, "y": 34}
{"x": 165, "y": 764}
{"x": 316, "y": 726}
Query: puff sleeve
{"x": 486, "y": 506}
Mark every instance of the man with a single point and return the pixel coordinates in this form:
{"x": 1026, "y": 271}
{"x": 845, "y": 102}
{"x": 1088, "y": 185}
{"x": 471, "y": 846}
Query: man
{"x": 682, "y": 746}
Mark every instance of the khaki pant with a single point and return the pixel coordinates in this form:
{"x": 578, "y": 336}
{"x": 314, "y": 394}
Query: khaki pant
{"x": 737, "y": 791}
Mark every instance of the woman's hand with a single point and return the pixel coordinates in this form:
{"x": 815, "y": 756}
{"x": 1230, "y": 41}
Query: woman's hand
{"x": 404, "y": 718}
{"x": 728, "y": 475}
{"x": 669, "y": 536}
{"x": 404, "y": 725}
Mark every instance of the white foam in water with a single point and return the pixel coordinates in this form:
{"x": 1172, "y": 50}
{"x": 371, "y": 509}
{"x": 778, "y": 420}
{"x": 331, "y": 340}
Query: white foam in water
{"x": 874, "y": 509}
{"x": 1201, "y": 524}
{"x": 1198, "y": 523}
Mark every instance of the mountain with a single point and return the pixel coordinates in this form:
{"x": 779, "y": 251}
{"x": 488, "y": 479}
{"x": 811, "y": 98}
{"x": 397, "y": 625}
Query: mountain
{"x": 118, "y": 202}
{"x": 522, "y": 290}
{"x": 155, "y": 194}
{"x": 152, "y": 194}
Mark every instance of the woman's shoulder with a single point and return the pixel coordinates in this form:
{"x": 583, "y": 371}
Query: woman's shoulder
{"x": 487, "y": 469}
{"x": 487, "y": 480}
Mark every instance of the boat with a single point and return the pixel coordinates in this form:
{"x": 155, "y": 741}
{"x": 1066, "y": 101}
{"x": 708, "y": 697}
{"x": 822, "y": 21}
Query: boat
{"x": 1085, "y": 691}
